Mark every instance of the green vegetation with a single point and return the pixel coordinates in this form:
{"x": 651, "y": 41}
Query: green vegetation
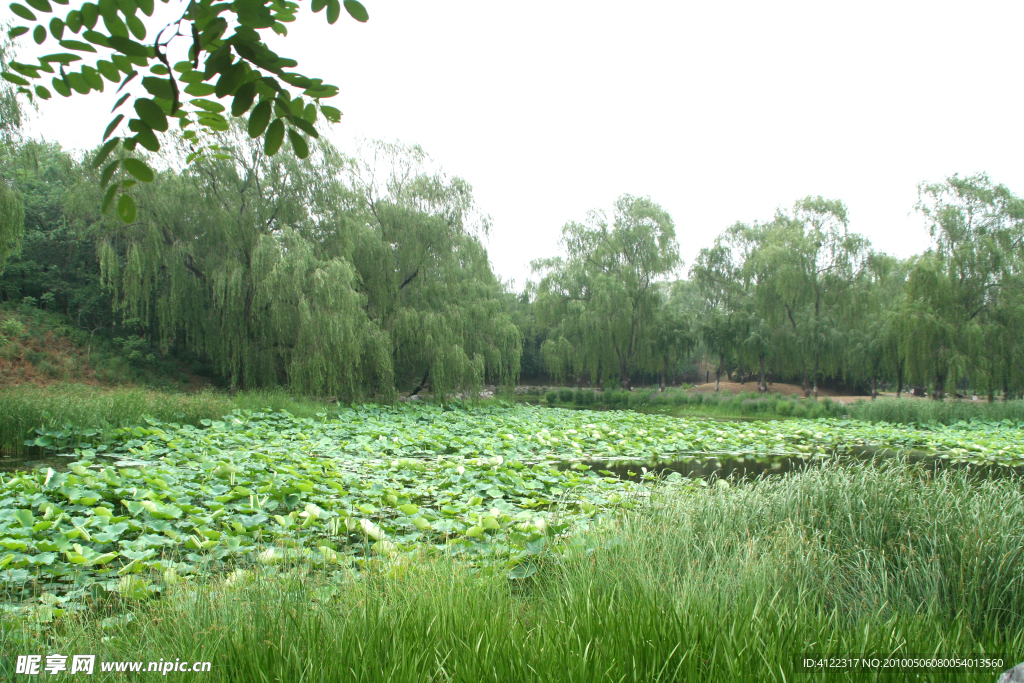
{"x": 490, "y": 485}
{"x": 721, "y": 584}
{"x": 238, "y": 65}
{"x": 28, "y": 412}
{"x": 943, "y": 412}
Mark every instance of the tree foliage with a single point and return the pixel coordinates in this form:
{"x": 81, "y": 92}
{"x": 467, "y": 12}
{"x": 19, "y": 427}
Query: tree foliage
{"x": 602, "y": 296}
{"x": 186, "y": 71}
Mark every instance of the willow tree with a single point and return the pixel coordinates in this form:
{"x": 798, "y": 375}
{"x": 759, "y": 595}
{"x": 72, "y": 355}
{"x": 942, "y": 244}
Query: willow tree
{"x": 12, "y": 222}
{"x": 601, "y": 296}
{"x": 960, "y": 292}
{"x": 12, "y": 212}
{"x": 716, "y": 272}
{"x": 221, "y": 258}
{"x": 810, "y": 261}
{"x": 416, "y": 245}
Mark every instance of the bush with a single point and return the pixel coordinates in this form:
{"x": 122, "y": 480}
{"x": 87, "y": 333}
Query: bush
{"x": 551, "y": 397}
{"x": 12, "y": 327}
{"x": 565, "y": 395}
{"x": 583, "y": 397}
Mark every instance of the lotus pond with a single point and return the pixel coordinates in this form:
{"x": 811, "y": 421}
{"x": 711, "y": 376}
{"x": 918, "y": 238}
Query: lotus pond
{"x": 494, "y": 485}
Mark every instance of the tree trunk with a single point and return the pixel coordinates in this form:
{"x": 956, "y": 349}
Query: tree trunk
{"x": 761, "y": 386}
{"x": 422, "y": 383}
{"x": 899, "y": 379}
{"x": 874, "y": 387}
{"x": 718, "y": 372}
{"x": 804, "y": 384}
{"x": 940, "y": 381}
{"x": 664, "y": 373}
{"x": 815, "y": 379}
{"x": 1006, "y": 391}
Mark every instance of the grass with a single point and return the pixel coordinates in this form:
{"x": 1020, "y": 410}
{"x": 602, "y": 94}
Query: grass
{"x": 26, "y": 408}
{"x": 680, "y": 402}
{"x": 721, "y": 585}
{"x": 904, "y": 411}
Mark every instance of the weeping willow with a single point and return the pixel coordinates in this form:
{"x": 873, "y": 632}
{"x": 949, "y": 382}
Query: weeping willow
{"x": 295, "y": 273}
{"x": 601, "y": 299}
{"x": 12, "y": 223}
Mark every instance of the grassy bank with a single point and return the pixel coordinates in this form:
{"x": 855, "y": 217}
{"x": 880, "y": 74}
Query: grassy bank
{"x": 723, "y": 585}
{"x": 679, "y": 401}
{"x": 64, "y": 409}
{"x": 904, "y": 411}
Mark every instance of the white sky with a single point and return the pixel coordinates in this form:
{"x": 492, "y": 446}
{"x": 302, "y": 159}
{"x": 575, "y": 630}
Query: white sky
{"x": 720, "y": 111}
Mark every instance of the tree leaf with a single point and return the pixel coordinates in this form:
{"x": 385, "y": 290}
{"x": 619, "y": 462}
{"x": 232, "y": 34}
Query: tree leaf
{"x": 14, "y": 33}
{"x": 151, "y": 114}
{"x": 112, "y": 125}
{"x": 42, "y": 92}
{"x": 128, "y": 46}
{"x": 90, "y": 13}
{"x": 159, "y": 87}
{"x": 16, "y": 80}
{"x": 330, "y": 113}
{"x": 144, "y": 135}
{"x": 57, "y": 28}
{"x": 39, "y": 35}
{"x": 40, "y": 5}
{"x": 126, "y": 208}
{"x": 108, "y": 198}
{"x": 60, "y": 86}
{"x": 274, "y": 137}
{"x": 244, "y": 96}
{"x": 136, "y": 26}
{"x": 356, "y": 10}
{"x": 108, "y": 172}
{"x": 76, "y": 45}
{"x": 96, "y": 38}
{"x": 22, "y": 11}
{"x": 259, "y": 118}
{"x": 333, "y": 11}
{"x": 231, "y": 79}
{"x": 104, "y": 152}
{"x": 139, "y": 170}
{"x": 298, "y": 143}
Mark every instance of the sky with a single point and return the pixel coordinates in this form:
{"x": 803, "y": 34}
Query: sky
{"x": 720, "y": 112}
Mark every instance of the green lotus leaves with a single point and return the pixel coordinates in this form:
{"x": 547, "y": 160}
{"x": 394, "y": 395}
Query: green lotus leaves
{"x": 493, "y": 485}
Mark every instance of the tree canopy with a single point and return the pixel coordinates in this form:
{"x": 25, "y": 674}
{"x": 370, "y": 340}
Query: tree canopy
{"x": 187, "y": 70}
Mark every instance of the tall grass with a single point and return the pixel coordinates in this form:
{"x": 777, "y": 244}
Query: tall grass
{"x": 26, "y": 408}
{"x": 681, "y": 402}
{"x": 945, "y": 412}
{"x": 724, "y": 585}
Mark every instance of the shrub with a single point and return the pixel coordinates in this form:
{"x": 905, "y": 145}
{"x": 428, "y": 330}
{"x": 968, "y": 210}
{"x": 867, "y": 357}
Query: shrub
{"x": 565, "y": 395}
{"x": 551, "y": 397}
{"x": 584, "y": 397}
{"x": 12, "y": 327}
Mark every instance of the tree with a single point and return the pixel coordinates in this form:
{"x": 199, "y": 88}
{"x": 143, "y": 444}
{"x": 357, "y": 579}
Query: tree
{"x": 301, "y": 273}
{"x": 416, "y": 247}
{"x": 601, "y": 298}
{"x": 222, "y": 54}
{"x": 810, "y": 261}
{"x": 12, "y": 218}
{"x": 966, "y": 283}
{"x": 717, "y": 275}
{"x": 12, "y": 222}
